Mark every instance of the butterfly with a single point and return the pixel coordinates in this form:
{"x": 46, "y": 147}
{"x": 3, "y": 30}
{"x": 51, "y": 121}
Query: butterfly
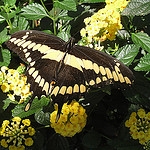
{"x": 63, "y": 70}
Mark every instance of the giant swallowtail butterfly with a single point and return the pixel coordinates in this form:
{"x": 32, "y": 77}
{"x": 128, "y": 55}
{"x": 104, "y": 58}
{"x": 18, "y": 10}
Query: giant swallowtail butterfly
{"x": 64, "y": 70}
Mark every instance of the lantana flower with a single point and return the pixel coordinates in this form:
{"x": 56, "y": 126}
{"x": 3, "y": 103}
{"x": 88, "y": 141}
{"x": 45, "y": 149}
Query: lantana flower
{"x": 14, "y": 84}
{"x": 139, "y": 126}
{"x": 103, "y": 24}
{"x": 72, "y": 119}
{"x": 16, "y": 134}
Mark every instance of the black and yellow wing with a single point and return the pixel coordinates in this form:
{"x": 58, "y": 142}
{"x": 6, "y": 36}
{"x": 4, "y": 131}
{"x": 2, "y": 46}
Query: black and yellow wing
{"x": 64, "y": 70}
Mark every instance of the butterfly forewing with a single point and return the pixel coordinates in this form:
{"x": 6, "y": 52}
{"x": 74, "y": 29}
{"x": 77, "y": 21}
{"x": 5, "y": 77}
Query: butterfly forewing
{"x": 32, "y": 45}
{"x": 63, "y": 70}
{"x": 100, "y": 69}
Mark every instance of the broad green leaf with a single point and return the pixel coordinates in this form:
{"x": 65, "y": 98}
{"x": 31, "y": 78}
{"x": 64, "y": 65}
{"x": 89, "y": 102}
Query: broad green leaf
{"x": 7, "y": 102}
{"x": 91, "y": 1}
{"x": 137, "y": 8}
{"x": 144, "y": 64}
{"x": 65, "y": 4}
{"x": 5, "y": 57}
{"x": 139, "y": 93}
{"x": 3, "y": 36}
{"x": 9, "y": 2}
{"x": 35, "y": 106}
{"x": 20, "y": 23}
{"x": 2, "y": 19}
{"x": 91, "y": 140}
{"x": 10, "y": 15}
{"x": 142, "y": 40}
{"x": 127, "y": 53}
{"x": 42, "y": 118}
{"x": 34, "y": 11}
{"x": 58, "y": 142}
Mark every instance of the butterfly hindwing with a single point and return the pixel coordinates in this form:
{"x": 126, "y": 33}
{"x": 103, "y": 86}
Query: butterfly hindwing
{"x": 100, "y": 69}
{"x": 64, "y": 70}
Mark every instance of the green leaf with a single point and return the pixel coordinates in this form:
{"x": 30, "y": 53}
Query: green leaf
{"x": 58, "y": 142}
{"x": 2, "y": 19}
{"x": 137, "y": 8}
{"x": 91, "y": 140}
{"x": 127, "y": 53}
{"x": 9, "y": 15}
{"x": 65, "y": 4}
{"x": 20, "y": 23}
{"x": 34, "y": 11}
{"x": 64, "y": 35}
{"x": 139, "y": 93}
{"x": 42, "y": 118}
{"x": 5, "y": 57}
{"x": 7, "y": 102}
{"x": 144, "y": 64}
{"x": 3, "y": 36}
{"x": 9, "y": 2}
{"x": 141, "y": 39}
{"x": 36, "y": 106}
{"x": 91, "y": 1}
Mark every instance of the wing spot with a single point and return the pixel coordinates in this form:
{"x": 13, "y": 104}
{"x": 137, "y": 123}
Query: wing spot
{"x": 96, "y": 68}
{"x": 21, "y": 42}
{"x": 117, "y": 70}
{"x": 115, "y": 77}
{"x": 31, "y": 70}
{"x": 98, "y": 80}
{"x": 29, "y": 59}
{"x": 46, "y": 87}
{"x": 12, "y": 40}
{"x": 43, "y": 49}
{"x": 92, "y": 82}
{"x": 104, "y": 78}
{"x": 109, "y": 74}
{"x": 38, "y": 78}
{"x": 27, "y": 54}
{"x": 82, "y": 88}
{"x": 42, "y": 82}
{"x": 35, "y": 73}
{"x": 55, "y": 91}
{"x": 120, "y": 76}
{"x": 26, "y": 44}
{"x": 69, "y": 90}
{"x": 24, "y": 50}
{"x": 127, "y": 80}
{"x": 118, "y": 64}
{"x": 76, "y": 88}
{"x": 87, "y": 64}
{"x": 72, "y": 61}
{"x": 63, "y": 90}
{"x": 31, "y": 45}
{"x": 36, "y": 47}
{"x": 25, "y": 36}
{"x": 17, "y": 41}
{"x": 32, "y": 63}
{"x": 102, "y": 70}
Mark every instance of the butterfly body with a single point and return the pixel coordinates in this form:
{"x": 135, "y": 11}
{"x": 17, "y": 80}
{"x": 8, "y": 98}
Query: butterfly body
{"x": 64, "y": 70}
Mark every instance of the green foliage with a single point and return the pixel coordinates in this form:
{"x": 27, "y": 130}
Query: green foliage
{"x": 34, "y": 11}
{"x": 107, "y": 111}
{"x": 36, "y": 106}
{"x": 137, "y": 8}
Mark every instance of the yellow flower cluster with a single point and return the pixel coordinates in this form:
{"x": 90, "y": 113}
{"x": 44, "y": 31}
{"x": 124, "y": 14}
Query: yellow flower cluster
{"x": 139, "y": 125}
{"x": 104, "y": 24}
{"x": 14, "y": 84}
{"x": 72, "y": 119}
{"x": 16, "y": 134}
